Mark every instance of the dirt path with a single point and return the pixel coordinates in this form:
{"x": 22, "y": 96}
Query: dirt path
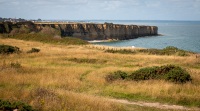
{"x": 156, "y": 105}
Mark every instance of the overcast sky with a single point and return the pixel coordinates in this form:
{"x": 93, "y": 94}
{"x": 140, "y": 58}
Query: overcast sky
{"x": 101, "y": 9}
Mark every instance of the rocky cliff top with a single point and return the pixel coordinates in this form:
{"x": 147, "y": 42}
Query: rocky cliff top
{"x": 86, "y": 31}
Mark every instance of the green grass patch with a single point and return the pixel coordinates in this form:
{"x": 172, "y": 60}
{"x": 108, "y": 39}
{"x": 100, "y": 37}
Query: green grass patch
{"x": 47, "y": 38}
{"x": 142, "y": 97}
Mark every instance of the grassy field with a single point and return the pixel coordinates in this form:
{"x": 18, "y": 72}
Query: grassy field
{"x": 72, "y": 77}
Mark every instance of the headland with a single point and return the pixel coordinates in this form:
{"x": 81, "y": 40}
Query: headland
{"x": 85, "y": 31}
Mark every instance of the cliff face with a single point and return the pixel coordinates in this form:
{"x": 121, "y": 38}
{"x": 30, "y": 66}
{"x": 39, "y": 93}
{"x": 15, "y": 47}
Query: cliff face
{"x": 87, "y": 31}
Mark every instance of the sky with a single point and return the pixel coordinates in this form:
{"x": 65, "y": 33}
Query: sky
{"x": 101, "y": 9}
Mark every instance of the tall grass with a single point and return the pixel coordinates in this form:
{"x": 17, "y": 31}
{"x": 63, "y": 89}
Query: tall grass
{"x": 46, "y": 38}
{"x": 71, "y": 77}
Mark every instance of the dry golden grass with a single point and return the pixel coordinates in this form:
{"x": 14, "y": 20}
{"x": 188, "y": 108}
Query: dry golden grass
{"x": 48, "y": 80}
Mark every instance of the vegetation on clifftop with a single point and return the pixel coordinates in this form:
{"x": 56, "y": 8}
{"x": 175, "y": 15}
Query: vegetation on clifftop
{"x": 47, "y": 38}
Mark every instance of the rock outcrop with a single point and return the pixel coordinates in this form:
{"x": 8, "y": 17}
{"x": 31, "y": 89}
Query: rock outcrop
{"x": 86, "y": 31}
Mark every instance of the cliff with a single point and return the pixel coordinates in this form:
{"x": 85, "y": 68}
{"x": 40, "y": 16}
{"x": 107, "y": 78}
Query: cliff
{"x": 86, "y": 31}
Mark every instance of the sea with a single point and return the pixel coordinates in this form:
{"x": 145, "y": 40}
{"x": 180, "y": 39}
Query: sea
{"x": 181, "y": 34}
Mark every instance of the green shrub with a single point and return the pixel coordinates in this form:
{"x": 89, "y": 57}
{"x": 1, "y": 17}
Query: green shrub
{"x": 178, "y": 75}
{"x": 170, "y": 50}
{"x": 118, "y": 75}
{"x": 168, "y": 72}
{"x": 8, "y": 106}
{"x": 7, "y": 49}
{"x": 122, "y": 51}
{"x": 144, "y": 74}
{"x": 33, "y": 50}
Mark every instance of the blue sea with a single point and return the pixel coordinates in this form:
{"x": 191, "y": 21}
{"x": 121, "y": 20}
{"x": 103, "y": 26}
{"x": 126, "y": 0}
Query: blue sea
{"x": 182, "y": 34}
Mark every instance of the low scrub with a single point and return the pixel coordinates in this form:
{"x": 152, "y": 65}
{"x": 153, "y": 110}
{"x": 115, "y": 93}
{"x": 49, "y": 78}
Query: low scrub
{"x": 86, "y": 60}
{"x": 13, "y": 65}
{"x": 168, "y": 72}
{"x": 121, "y": 51}
{"x": 170, "y": 50}
{"x": 118, "y": 75}
{"x": 11, "y": 106}
{"x": 7, "y": 49}
{"x": 33, "y": 50}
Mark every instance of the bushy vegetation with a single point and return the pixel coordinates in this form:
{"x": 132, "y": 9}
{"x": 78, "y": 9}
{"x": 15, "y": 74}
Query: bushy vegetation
{"x": 118, "y": 75}
{"x": 122, "y": 51}
{"x": 33, "y": 50}
{"x": 47, "y": 38}
{"x": 15, "y": 65}
{"x": 10, "y": 106}
{"x": 86, "y": 60}
{"x": 170, "y": 50}
{"x": 7, "y": 49}
{"x": 168, "y": 72}
{"x": 178, "y": 75}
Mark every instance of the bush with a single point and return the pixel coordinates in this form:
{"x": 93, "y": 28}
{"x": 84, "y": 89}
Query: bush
{"x": 178, "y": 75}
{"x": 33, "y": 50}
{"x": 121, "y": 51}
{"x": 118, "y": 75}
{"x": 8, "y": 106}
{"x": 170, "y": 50}
{"x": 168, "y": 72}
{"x": 7, "y": 49}
{"x": 144, "y": 74}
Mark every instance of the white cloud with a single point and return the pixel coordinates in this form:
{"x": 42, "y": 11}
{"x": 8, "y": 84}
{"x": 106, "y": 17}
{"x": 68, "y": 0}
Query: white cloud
{"x": 104, "y": 9}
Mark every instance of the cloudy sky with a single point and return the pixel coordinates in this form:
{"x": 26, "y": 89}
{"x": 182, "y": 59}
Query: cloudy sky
{"x": 101, "y": 9}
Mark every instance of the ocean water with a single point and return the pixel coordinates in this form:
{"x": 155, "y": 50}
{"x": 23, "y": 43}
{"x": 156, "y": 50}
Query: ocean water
{"x": 182, "y": 34}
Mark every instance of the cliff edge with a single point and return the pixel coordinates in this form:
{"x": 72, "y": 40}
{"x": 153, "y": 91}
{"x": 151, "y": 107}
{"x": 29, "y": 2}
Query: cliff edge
{"x": 86, "y": 31}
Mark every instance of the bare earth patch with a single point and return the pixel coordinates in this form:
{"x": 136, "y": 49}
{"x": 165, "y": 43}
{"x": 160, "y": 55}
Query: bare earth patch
{"x": 155, "y": 105}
